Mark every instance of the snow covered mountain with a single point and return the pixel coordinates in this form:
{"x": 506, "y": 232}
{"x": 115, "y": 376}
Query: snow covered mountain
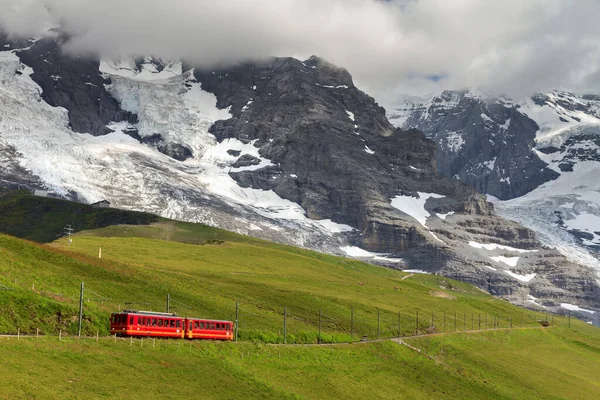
{"x": 285, "y": 150}
{"x": 540, "y": 156}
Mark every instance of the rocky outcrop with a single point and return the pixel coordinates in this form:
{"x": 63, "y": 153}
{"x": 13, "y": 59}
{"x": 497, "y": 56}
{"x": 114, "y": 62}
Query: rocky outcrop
{"x": 74, "y": 83}
{"x": 334, "y": 150}
{"x": 484, "y": 141}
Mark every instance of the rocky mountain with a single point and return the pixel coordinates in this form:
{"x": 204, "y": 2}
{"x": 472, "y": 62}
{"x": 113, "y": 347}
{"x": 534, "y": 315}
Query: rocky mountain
{"x": 487, "y": 142}
{"x": 284, "y": 149}
{"x": 542, "y": 162}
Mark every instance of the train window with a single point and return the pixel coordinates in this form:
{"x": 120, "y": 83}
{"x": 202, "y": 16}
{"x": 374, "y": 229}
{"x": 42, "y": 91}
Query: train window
{"x": 179, "y": 324}
{"x": 172, "y": 323}
{"x": 196, "y": 325}
{"x": 160, "y": 322}
{"x": 153, "y": 321}
{"x": 139, "y": 321}
{"x": 212, "y": 326}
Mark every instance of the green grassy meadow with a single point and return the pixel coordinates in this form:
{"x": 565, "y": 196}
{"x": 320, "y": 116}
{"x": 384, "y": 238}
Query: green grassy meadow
{"x": 537, "y": 363}
{"x": 264, "y": 278}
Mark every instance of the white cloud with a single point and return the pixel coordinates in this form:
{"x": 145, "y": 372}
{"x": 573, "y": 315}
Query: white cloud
{"x": 511, "y": 46}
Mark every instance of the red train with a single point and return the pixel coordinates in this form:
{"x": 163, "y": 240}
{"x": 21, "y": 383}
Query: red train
{"x": 154, "y": 324}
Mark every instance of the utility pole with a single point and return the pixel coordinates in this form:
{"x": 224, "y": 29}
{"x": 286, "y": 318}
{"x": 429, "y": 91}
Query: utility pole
{"x": 352, "y": 324}
{"x": 69, "y": 231}
{"x": 168, "y": 302}
{"x": 285, "y": 325}
{"x": 417, "y": 325}
{"x": 319, "y": 326}
{"x": 444, "y": 321}
{"x": 399, "y": 326}
{"x": 237, "y": 319}
{"x": 378, "y": 323}
{"x": 80, "y": 308}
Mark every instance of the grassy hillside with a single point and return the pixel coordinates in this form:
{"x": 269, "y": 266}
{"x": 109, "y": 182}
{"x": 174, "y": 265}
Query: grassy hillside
{"x": 207, "y": 281}
{"x": 555, "y": 363}
{"x": 43, "y": 219}
{"x": 206, "y": 271}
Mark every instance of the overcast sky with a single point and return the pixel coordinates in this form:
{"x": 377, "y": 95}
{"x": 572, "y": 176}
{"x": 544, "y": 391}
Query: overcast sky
{"x": 514, "y": 47}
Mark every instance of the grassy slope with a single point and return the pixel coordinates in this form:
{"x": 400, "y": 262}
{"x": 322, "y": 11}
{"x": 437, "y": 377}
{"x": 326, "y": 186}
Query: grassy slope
{"x": 207, "y": 280}
{"x": 530, "y": 364}
{"x": 265, "y": 277}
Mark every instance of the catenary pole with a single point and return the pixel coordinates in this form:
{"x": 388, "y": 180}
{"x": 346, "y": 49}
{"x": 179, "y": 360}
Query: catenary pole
{"x": 237, "y": 319}
{"x": 80, "y": 309}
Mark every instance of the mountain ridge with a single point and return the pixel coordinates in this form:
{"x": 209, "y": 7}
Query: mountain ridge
{"x": 284, "y": 150}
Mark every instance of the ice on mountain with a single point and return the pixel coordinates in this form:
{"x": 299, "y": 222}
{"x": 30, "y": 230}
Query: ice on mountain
{"x": 573, "y": 307}
{"x": 415, "y": 207}
{"x": 334, "y": 227}
{"x": 247, "y": 105}
{"x": 368, "y": 150}
{"x": 534, "y": 302}
{"x": 510, "y": 261}
{"x": 486, "y": 118}
{"x": 350, "y": 115}
{"x": 494, "y": 246}
{"x": 522, "y": 278}
{"x": 454, "y": 141}
{"x": 490, "y": 164}
{"x": 444, "y": 216}
{"x": 127, "y": 68}
{"x": 357, "y": 252}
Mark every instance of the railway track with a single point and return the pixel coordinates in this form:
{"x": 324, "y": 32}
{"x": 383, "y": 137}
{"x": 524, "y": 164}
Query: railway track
{"x": 399, "y": 339}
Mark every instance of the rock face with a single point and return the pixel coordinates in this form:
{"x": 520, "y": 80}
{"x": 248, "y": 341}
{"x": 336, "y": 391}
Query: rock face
{"x": 333, "y": 149}
{"x": 291, "y": 152}
{"x": 74, "y": 83}
{"x": 484, "y": 141}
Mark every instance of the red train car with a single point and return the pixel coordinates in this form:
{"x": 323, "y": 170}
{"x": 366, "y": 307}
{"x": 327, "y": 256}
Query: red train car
{"x": 146, "y": 323}
{"x": 154, "y": 324}
{"x": 208, "y": 329}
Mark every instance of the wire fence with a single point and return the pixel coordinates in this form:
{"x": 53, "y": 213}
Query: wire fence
{"x": 285, "y": 325}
